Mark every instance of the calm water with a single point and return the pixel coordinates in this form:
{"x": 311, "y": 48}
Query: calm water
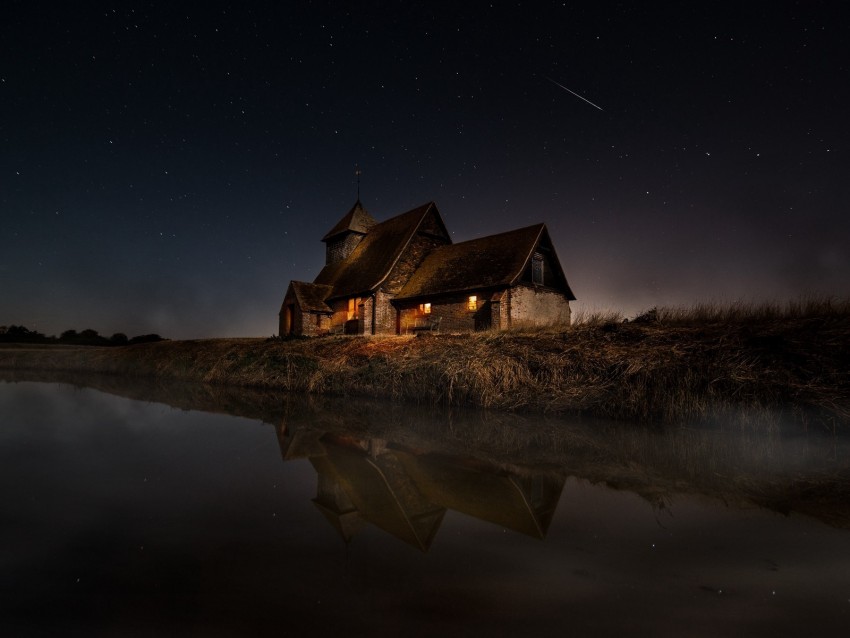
{"x": 131, "y": 517}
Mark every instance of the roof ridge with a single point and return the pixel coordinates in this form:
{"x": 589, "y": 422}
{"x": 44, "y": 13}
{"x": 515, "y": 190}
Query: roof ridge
{"x": 462, "y": 244}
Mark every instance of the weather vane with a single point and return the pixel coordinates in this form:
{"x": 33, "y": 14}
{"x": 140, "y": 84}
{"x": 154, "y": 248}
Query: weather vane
{"x": 357, "y": 173}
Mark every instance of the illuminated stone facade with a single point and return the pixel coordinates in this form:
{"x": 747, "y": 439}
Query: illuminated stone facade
{"x": 404, "y": 275}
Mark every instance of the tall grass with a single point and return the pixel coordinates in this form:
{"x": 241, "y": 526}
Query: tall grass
{"x": 670, "y": 365}
{"x": 596, "y": 317}
{"x": 744, "y": 312}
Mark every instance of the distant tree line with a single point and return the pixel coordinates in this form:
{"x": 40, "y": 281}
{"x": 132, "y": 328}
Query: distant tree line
{"x": 88, "y": 337}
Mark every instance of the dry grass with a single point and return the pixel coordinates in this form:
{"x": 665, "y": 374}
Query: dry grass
{"x": 669, "y": 366}
{"x": 744, "y": 312}
{"x": 596, "y": 317}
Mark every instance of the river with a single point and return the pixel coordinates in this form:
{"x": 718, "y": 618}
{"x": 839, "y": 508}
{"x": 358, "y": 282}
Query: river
{"x": 186, "y": 510}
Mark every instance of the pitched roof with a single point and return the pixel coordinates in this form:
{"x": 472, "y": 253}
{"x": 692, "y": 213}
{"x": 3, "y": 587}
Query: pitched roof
{"x": 382, "y": 493}
{"x": 311, "y": 297}
{"x": 357, "y": 220}
{"x": 525, "y": 504}
{"x": 374, "y": 257}
{"x": 488, "y": 262}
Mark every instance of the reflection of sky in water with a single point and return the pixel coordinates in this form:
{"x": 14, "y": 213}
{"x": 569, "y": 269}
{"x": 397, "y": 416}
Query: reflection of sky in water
{"x": 125, "y": 516}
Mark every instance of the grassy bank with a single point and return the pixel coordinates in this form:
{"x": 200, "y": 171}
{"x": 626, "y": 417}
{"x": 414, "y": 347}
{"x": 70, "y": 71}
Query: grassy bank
{"x": 665, "y": 366}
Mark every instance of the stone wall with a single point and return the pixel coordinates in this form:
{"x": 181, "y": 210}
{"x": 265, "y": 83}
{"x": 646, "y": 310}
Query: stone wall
{"x": 313, "y": 324}
{"x": 523, "y": 305}
{"x": 499, "y": 311}
{"x": 533, "y": 306}
{"x": 455, "y": 313}
{"x": 308, "y": 324}
{"x": 519, "y": 306}
{"x": 385, "y": 314}
{"x": 339, "y": 248}
{"x": 324, "y": 324}
{"x": 364, "y": 313}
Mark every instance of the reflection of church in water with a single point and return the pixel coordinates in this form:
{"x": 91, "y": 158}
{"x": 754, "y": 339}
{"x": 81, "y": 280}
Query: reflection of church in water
{"x": 406, "y": 492}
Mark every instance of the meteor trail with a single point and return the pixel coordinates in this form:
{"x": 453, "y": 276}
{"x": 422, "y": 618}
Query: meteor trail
{"x": 574, "y": 93}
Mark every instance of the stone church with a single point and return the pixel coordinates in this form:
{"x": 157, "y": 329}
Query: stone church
{"x": 404, "y": 275}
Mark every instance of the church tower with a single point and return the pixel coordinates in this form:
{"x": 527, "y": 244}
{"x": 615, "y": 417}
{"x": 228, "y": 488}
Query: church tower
{"x": 343, "y": 238}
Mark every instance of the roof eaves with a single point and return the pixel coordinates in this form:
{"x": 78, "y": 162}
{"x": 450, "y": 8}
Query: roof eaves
{"x": 496, "y": 288}
{"x": 348, "y": 295}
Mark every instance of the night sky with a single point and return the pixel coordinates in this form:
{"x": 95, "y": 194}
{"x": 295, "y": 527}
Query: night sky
{"x": 169, "y": 167}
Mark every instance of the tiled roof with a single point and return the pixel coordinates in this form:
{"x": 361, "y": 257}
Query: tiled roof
{"x": 311, "y": 297}
{"x": 488, "y": 262}
{"x": 374, "y": 257}
{"x": 357, "y": 220}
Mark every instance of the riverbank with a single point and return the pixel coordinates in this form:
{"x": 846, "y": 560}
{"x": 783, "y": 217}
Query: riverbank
{"x": 666, "y": 366}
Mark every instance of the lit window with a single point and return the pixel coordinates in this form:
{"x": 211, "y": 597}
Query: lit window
{"x": 352, "y": 307}
{"x": 425, "y": 308}
{"x": 473, "y": 302}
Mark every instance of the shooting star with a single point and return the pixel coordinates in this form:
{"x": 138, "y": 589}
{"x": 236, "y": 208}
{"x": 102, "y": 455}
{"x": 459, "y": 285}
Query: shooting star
{"x": 574, "y": 93}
